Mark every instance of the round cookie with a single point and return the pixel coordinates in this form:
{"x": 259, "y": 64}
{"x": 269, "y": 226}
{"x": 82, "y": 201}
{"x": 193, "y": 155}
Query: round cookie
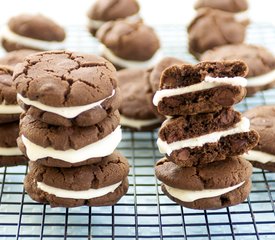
{"x": 260, "y": 61}
{"x": 65, "y": 88}
{"x": 27, "y": 31}
{"x": 212, "y": 186}
{"x": 124, "y": 45}
{"x": 262, "y": 119}
{"x": 109, "y": 10}
{"x": 10, "y": 155}
{"x": 9, "y": 109}
{"x": 17, "y": 56}
{"x": 135, "y": 109}
{"x": 224, "y": 28}
{"x": 59, "y": 146}
{"x": 99, "y": 184}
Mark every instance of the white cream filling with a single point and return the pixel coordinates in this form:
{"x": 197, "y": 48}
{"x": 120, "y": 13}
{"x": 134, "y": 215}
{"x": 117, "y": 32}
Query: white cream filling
{"x": 67, "y": 112}
{"x": 10, "y": 109}
{"x": 130, "y": 63}
{"x": 12, "y": 151}
{"x": 30, "y": 42}
{"x": 193, "y": 195}
{"x": 138, "y": 124}
{"x": 242, "y": 16}
{"x": 101, "y": 148}
{"x": 85, "y": 194}
{"x": 207, "y": 83}
{"x": 96, "y": 24}
{"x": 165, "y": 148}
{"x": 258, "y": 156}
{"x": 261, "y": 79}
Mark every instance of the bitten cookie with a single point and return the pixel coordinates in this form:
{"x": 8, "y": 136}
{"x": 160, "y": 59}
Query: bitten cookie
{"x": 212, "y": 186}
{"x": 99, "y": 184}
{"x": 103, "y": 11}
{"x": 60, "y": 146}
{"x": 129, "y": 45}
{"x": 203, "y": 138}
{"x": 260, "y": 62}
{"x": 9, "y": 109}
{"x": 26, "y": 31}
{"x": 17, "y": 56}
{"x": 205, "y": 87}
{"x": 262, "y": 119}
{"x": 212, "y": 28}
{"x": 65, "y": 88}
{"x": 135, "y": 109}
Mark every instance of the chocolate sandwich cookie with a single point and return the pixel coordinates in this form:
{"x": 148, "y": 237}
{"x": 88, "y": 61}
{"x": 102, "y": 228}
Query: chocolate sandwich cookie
{"x": 59, "y": 146}
{"x": 9, "y": 109}
{"x": 17, "y": 56}
{"x": 135, "y": 109}
{"x": 10, "y": 155}
{"x": 205, "y": 87}
{"x": 99, "y": 184}
{"x": 262, "y": 119}
{"x": 260, "y": 62}
{"x": 103, "y": 11}
{"x": 124, "y": 45}
{"x": 27, "y": 31}
{"x": 65, "y": 88}
{"x": 203, "y": 138}
{"x": 212, "y": 186}
{"x": 211, "y": 28}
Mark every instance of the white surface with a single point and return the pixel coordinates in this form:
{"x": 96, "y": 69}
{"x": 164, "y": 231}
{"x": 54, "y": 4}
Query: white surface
{"x": 258, "y": 156}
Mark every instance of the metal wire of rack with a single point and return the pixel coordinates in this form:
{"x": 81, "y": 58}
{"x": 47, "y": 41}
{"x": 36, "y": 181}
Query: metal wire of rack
{"x": 144, "y": 213}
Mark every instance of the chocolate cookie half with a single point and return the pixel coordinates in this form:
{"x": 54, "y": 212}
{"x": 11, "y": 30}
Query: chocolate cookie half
{"x": 212, "y": 186}
{"x": 99, "y": 184}
{"x": 262, "y": 119}
{"x": 203, "y": 138}
{"x": 59, "y": 146}
{"x": 65, "y": 88}
{"x": 205, "y": 87}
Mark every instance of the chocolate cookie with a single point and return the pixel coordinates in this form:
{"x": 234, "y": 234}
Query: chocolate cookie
{"x": 224, "y": 29}
{"x": 124, "y": 44}
{"x": 26, "y": 31}
{"x": 10, "y": 155}
{"x": 205, "y": 87}
{"x": 135, "y": 109}
{"x": 212, "y": 186}
{"x": 99, "y": 184}
{"x": 260, "y": 62}
{"x": 14, "y": 57}
{"x": 203, "y": 138}
{"x": 9, "y": 109}
{"x": 65, "y": 88}
{"x": 109, "y": 10}
{"x": 59, "y": 146}
{"x": 262, "y": 119}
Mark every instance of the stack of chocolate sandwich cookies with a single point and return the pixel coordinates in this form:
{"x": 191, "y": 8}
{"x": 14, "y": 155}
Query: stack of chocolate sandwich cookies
{"x": 70, "y": 129}
{"x": 204, "y": 136}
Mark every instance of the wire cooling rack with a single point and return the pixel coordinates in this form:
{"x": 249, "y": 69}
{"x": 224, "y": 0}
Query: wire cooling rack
{"x": 144, "y": 212}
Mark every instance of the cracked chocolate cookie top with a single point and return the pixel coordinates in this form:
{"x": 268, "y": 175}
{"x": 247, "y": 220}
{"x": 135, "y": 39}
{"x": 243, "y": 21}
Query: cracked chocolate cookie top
{"x": 7, "y": 90}
{"x": 108, "y": 10}
{"x": 130, "y": 41}
{"x": 65, "y": 79}
{"x": 14, "y": 57}
{"x": 258, "y": 59}
{"x": 225, "y": 5}
{"x": 212, "y": 28}
{"x": 110, "y": 170}
{"x": 229, "y": 172}
{"x": 37, "y": 27}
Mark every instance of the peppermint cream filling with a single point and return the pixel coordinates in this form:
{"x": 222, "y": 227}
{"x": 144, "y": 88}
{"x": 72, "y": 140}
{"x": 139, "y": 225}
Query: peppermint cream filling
{"x": 85, "y": 194}
{"x": 258, "y": 156}
{"x": 138, "y": 124}
{"x": 101, "y": 148}
{"x": 10, "y": 151}
{"x": 9, "y": 109}
{"x": 168, "y": 148}
{"x": 67, "y": 112}
{"x": 261, "y": 79}
{"x": 31, "y": 42}
{"x": 207, "y": 83}
{"x": 193, "y": 195}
